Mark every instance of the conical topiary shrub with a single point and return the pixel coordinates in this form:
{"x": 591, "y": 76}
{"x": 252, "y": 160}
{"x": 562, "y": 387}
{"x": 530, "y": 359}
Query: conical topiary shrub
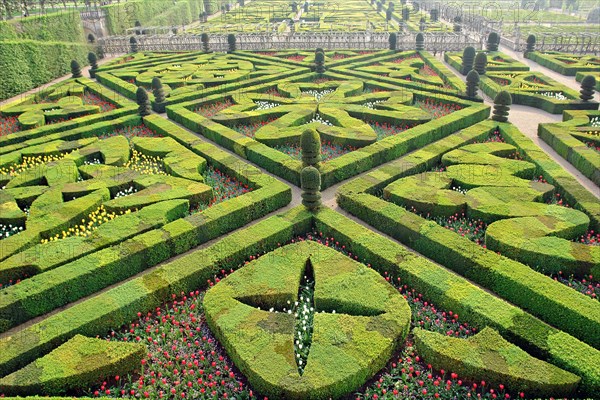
{"x": 310, "y": 181}
{"x": 405, "y": 14}
{"x": 480, "y": 63}
{"x": 144, "y": 106}
{"x": 433, "y": 15}
{"x": 138, "y": 24}
{"x": 393, "y": 40}
{"x": 133, "y": 45}
{"x": 502, "y": 104}
{"x": 320, "y": 63}
{"x": 492, "y": 42}
{"x": 75, "y": 69}
{"x": 388, "y": 14}
{"x": 231, "y": 42}
{"x": 588, "y": 84}
{"x": 91, "y": 38}
{"x": 472, "y": 83}
{"x": 204, "y": 39}
{"x": 468, "y": 59}
{"x": 420, "y": 42}
{"x": 93, "y": 60}
{"x": 310, "y": 143}
{"x": 457, "y": 23}
{"x": 530, "y": 44}
{"x": 159, "y": 95}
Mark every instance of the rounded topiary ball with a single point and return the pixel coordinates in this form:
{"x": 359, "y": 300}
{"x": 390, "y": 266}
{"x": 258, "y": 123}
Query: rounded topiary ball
{"x": 310, "y": 181}
{"x": 502, "y": 104}
{"x": 468, "y": 59}
{"x": 472, "y": 83}
{"x": 588, "y": 85}
{"x": 310, "y": 142}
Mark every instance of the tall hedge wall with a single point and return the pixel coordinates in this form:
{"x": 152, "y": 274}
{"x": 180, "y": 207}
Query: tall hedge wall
{"x": 60, "y": 26}
{"x": 121, "y": 16}
{"x": 26, "y": 64}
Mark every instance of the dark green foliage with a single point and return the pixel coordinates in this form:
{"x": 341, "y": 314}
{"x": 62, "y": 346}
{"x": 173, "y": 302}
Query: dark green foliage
{"x": 204, "y": 39}
{"x": 144, "y": 107}
{"x": 75, "y": 69}
{"x": 93, "y": 60}
{"x": 457, "y": 23}
{"x": 588, "y": 85}
{"x": 530, "y": 43}
{"x": 231, "y": 42}
{"x": 133, "y": 45}
{"x": 502, "y": 104}
{"x": 379, "y": 6}
{"x": 320, "y": 63}
{"x": 420, "y": 42}
{"x": 388, "y": 14}
{"x": 480, "y": 63}
{"x": 493, "y": 41}
{"x": 405, "y": 14}
{"x": 468, "y": 58}
{"x": 433, "y": 15}
{"x": 310, "y": 179}
{"x": 319, "y": 50}
{"x": 393, "y": 40}
{"x": 91, "y": 38}
{"x": 159, "y": 95}
{"x": 294, "y": 7}
{"x": 422, "y": 25}
{"x": 472, "y": 83}
{"x": 306, "y": 7}
{"x": 310, "y": 143}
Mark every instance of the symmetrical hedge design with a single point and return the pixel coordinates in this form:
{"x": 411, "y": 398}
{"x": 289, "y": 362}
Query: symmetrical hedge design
{"x": 536, "y": 90}
{"x": 576, "y": 140}
{"x": 496, "y": 61}
{"x": 358, "y": 322}
{"x": 566, "y": 64}
{"x": 488, "y": 357}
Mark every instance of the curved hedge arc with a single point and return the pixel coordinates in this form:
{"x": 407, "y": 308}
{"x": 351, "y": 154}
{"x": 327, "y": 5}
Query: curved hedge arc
{"x": 489, "y": 357}
{"x": 497, "y": 61}
{"x": 565, "y": 64}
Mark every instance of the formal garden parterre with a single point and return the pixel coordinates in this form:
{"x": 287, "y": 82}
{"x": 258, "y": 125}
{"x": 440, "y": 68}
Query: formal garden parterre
{"x": 135, "y": 260}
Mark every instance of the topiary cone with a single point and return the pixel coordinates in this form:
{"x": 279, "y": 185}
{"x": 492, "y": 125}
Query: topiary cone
{"x": 492, "y": 42}
{"x": 320, "y": 62}
{"x": 231, "y": 41}
{"x": 472, "y": 83}
{"x": 468, "y": 59}
{"x": 480, "y": 63}
{"x": 75, "y": 69}
{"x": 588, "y": 84}
{"x": 420, "y": 42}
{"x": 93, "y": 60}
{"x": 310, "y": 143}
{"x": 144, "y": 106}
{"x": 204, "y": 39}
{"x": 133, "y": 44}
{"x": 310, "y": 181}
{"x": 530, "y": 44}
{"x": 501, "y": 106}
{"x": 393, "y": 39}
{"x": 159, "y": 95}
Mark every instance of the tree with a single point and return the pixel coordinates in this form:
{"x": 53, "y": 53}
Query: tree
{"x": 204, "y": 39}
{"x": 159, "y": 95}
{"x": 492, "y": 42}
{"x": 420, "y": 41}
{"x": 457, "y": 23}
{"x": 144, "y": 106}
{"x": 320, "y": 62}
{"x": 588, "y": 84}
{"x": 530, "y": 44}
{"x": 133, "y": 44}
{"x": 393, "y": 40}
{"x": 75, "y": 69}
{"x": 310, "y": 143}
{"x": 93, "y": 60}
{"x": 379, "y": 6}
{"x": 472, "y": 83}
{"x": 138, "y": 24}
{"x": 306, "y": 7}
{"x": 231, "y": 41}
{"x": 480, "y": 63}
{"x": 310, "y": 181}
{"x": 91, "y": 38}
{"x": 405, "y": 14}
{"x": 468, "y": 58}
{"x": 422, "y": 25}
{"x": 388, "y": 14}
{"x": 502, "y": 104}
{"x": 433, "y": 15}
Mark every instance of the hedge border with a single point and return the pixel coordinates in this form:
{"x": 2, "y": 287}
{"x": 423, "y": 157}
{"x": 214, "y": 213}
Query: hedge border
{"x": 454, "y": 59}
{"x": 549, "y": 61}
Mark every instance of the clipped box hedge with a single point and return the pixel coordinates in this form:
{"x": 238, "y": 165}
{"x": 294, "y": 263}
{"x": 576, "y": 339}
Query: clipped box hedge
{"x": 564, "y": 64}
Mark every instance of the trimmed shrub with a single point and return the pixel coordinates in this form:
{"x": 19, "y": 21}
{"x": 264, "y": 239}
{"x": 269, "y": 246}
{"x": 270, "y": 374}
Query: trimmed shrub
{"x": 310, "y": 179}
{"x": 159, "y": 95}
{"x": 472, "y": 83}
{"x": 204, "y": 39}
{"x": 405, "y": 14}
{"x": 480, "y": 63}
{"x": 530, "y": 44}
{"x": 93, "y": 60}
{"x": 310, "y": 143}
{"x": 320, "y": 62}
{"x": 588, "y": 84}
{"x": 502, "y": 104}
{"x": 420, "y": 42}
{"x": 144, "y": 106}
{"x": 393, "y": 40}
{"x": 133, "y": 45}
{"x": 231, "y": 43}
{"x": 493, "y": 41}
{"x": 433, "y": 15}
{"x": 75, "y": 69}
{"x": 468, "y": 59}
